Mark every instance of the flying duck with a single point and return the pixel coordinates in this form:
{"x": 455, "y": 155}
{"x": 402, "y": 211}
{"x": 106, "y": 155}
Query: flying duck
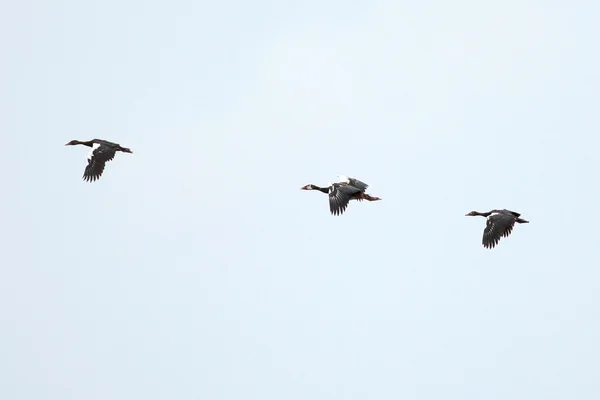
{"x": 340, "y": 193}
{"x": 500, "y": 224}
{"x": 102, "y": 152}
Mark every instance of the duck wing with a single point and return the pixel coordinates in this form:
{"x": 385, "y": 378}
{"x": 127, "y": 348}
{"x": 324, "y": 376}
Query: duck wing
{"x": 498, "y": 225}
{"x": 516, "y": 214}
{"x": 98, "y": 157}
{"x": 354, "y": 182}
{"x": 339, "y": 197}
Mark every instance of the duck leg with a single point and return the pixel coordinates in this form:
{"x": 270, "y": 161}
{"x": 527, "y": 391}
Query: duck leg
{"x": 369, "y": 197}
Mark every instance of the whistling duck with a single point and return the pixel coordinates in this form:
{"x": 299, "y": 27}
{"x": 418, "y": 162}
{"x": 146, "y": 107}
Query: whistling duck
{"x": 500, "y": 224}
{"x": 102, "y": 152}
{"x": 342, "y": 192}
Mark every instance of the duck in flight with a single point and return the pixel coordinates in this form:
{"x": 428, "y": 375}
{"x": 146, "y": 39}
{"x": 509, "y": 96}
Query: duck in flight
{"x": 340, "y": 193}
{"x": 500, "y": 223}
{"x": 102, "y": 152}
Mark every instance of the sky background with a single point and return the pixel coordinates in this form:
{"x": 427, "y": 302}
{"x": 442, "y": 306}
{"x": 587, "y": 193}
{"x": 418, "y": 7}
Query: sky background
{"x": 196, "y": 268}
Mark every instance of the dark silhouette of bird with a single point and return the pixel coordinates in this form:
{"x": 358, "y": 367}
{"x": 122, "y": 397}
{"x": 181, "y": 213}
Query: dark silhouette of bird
{"x": 340, "y": 193}
{"x": 102, "y": 152}
{"x": 500, "y": 223}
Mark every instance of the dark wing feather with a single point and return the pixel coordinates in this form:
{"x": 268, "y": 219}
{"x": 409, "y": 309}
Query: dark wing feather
{"x": 339, "y": 197}
{"x": 516, "y": 214}
{"x": 358, "y": 184}
{"x": 96, "y": 162}
{"x": 498, "y": 226}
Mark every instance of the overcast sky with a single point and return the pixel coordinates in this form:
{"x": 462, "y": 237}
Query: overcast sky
{"x": 196, "y": 268}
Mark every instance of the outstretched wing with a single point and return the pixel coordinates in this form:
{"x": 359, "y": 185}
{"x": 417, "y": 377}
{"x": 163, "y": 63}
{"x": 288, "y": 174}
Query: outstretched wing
{"x": 98, "y": 157}
{"x": 339, "y": 197}
{"x": 353, "y": 182}
{"x": 358, "y": 184}
{"x": 498, "y": 225}
{"x": 516, "y": 214}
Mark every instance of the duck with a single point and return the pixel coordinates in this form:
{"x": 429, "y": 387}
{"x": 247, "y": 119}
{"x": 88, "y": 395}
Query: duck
{"x": 102, "y": 152}
{"x": 500, "y": 223}
{"x": 340, "y": 193}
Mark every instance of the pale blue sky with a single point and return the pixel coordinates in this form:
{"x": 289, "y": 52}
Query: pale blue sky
{"x": 197, "y": 269}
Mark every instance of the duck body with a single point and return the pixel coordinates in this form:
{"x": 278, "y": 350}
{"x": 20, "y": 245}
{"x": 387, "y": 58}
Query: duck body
{"x": 340, "y": 193}
{"x": 102, "y": 152}
{"x": 499, "y": 224}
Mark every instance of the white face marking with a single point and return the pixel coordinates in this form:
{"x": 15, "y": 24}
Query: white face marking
{"x": 94, "y": 147}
